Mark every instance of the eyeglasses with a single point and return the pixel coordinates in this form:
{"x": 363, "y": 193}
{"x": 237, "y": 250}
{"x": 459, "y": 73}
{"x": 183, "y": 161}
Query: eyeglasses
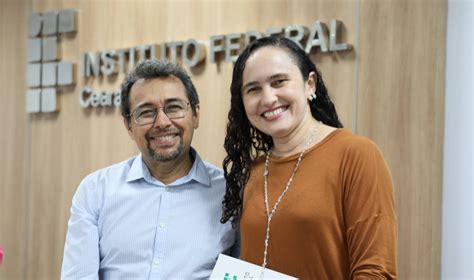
{"x": 173, "y": 109}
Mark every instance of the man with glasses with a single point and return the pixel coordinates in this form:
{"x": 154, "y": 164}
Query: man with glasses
{"x": 156, "y": 215}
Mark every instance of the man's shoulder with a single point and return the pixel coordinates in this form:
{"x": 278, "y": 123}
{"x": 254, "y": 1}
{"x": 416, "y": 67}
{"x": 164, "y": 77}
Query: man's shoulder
{"x": 95, "y": 185}
{"x": 214, "y": 172}
{"x": 212, "y": 169}
{"x": 116, "y": 170}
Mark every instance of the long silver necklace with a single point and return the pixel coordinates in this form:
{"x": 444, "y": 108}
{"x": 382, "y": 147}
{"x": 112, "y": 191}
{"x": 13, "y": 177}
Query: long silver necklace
{"x": 265, "y": 189}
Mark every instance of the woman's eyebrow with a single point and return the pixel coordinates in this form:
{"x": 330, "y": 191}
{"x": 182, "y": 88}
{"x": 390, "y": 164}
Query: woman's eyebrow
{"x": 272, "y": 77}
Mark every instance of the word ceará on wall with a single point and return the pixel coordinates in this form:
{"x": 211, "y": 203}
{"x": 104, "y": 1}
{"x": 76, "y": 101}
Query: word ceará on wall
{"x": 193, "y": 53}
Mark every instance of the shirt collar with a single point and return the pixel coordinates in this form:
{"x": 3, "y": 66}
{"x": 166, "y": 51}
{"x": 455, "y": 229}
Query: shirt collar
{"x": 198, "y": 172}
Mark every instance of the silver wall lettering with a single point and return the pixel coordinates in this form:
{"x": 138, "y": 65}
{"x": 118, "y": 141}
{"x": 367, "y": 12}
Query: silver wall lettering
{"x": 333, "y": 36}
{"x": 296, "y": 33}
{"x": 251, "y": 36}
{"x": 84, "y": 101}
{"x": 95, "y": 99}
{"x": 274, "y": 31}
{"x": 107, "y": 58}
{"x": 90, "y": 64}
{"x": 113, "y": 61}
{"x": 131, "y": 58}
{"x": 173, "y": 50}
{"x": 152, "y": 51}
{"x": 216, "y": 45}
{"x": 91, "y": 98}
{"x": 144, "y": 52}
{"x": 316, "y": 37}
{"x": 232, "y": 46}
{"x": 105, "y": 100}
{"x": 121, "y": 54}
{"x": 163, "y": 51}
{"x": 117, "y": 98}
{"x": 192, "y": 53}
{"x": 141, "y": 50}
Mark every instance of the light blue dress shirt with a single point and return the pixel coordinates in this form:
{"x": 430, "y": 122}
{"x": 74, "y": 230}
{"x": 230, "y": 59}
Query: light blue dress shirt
{"x": 125, "y": 224}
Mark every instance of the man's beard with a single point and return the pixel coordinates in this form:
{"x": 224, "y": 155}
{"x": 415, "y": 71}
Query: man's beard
{"x": 174, "y": 154}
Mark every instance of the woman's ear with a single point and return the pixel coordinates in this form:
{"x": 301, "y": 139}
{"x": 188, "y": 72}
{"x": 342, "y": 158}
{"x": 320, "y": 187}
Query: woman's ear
{"x": 310, "y": 84}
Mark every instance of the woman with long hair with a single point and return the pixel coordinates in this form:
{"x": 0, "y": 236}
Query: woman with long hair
{"x": 312, "y": 200}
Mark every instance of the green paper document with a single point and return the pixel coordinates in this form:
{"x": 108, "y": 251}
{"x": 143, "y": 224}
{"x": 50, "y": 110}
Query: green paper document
{"x": 228, "y": 268}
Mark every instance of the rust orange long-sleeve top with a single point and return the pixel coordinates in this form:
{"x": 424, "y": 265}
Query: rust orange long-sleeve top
{"x": 337, "y": 221}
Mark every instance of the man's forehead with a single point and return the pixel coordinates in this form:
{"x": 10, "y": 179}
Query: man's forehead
{"x": 157, "y": 89}
{"x": 163, "y": 102}
{"x": 161, "y": 81}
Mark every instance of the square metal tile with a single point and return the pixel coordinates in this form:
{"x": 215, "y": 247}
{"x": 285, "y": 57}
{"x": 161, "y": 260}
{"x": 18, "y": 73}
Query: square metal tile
{"x": 48, "y": 76}
{"x": 34, "y": 50}
{"x": 35, "y": 23}
{"x": 50, "y": 48}
{"x": 33, "y": 100}
{"x": 67, "y": 21}
{"x": 48, "y": 100}
{"x": 65, "y": 73}
{"x": 50, "y": 23}
{"x": 33, "y": 75}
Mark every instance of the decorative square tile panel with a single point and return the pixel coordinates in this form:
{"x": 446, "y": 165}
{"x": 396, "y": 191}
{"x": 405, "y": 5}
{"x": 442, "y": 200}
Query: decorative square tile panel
{"x": 33, "y": 100}
{"x": 48, "y": 74}
{"x": 67, "y": 21}
{"x": 33, "y": 75}
{"x": 34, "y": 50}
{"x": 45, "y": 68}
{"x": 35, "y": 23}
{"x": 65, "y": 73}
{"x": 50, "y": 23}
{"x": 50, "y": 48}
{"x": 48, "y": 100}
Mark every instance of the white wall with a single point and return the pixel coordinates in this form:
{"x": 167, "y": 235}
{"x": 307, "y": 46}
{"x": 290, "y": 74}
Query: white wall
{"x": 458, "y": 199}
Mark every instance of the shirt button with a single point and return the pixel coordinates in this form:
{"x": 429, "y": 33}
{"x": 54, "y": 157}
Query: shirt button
{"x": 162, "y": 225}
{"x": 156, "y": 262}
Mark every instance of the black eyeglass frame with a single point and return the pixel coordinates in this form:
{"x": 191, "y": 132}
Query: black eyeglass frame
{"x": 156, "y": 110}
